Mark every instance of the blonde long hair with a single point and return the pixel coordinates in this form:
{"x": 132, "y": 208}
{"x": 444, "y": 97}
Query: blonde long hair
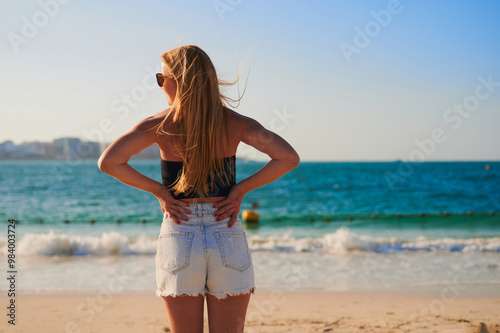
{"x": 199, "y": 119}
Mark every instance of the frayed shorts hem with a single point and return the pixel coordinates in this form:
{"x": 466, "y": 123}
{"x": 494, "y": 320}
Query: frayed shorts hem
{"x": 219, "y": 295}
{"x": 174, "y": 294}
{"x": 240, "y": 291}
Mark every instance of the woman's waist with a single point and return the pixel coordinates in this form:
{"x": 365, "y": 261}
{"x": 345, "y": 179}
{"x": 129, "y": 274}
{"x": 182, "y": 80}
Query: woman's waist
{"x": 203, "y": 200}
{"x": 199, "y": 209}
{"x": 201, "y": 216}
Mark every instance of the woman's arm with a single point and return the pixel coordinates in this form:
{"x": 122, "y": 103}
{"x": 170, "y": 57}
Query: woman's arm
{"x": 114, "y": 162}
{"x": 283, "y": 159}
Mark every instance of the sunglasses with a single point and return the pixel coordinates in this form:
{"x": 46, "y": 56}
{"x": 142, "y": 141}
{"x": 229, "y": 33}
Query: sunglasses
{"x": 160, "y": 78}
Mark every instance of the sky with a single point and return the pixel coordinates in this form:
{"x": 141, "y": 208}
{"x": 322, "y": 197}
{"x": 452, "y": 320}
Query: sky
{"x": 339, "y": 80}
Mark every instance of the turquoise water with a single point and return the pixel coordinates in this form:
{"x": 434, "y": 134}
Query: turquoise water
{"x": 350, "y": 218}
{"x": 55, "y": 191}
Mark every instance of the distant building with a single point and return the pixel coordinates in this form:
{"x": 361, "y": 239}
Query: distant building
{"x": 75, "y": 149}
{"x": 36, "y": 149}
{"x": 8, "y": 146}
{"x": 6, "y": 149}
{"x": 26, "y": 150}
{"x": 47, "y": 149}
{"x": 92, "y": 150}
{"x": 67, "y": 148}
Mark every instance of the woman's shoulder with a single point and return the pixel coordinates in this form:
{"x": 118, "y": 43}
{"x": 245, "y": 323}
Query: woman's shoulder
{"x": 238, "y": 120}
{"x": 154, "y": 120}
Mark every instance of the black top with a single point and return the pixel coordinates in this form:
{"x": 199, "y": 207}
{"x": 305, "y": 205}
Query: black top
{"x": 171, "y": 170}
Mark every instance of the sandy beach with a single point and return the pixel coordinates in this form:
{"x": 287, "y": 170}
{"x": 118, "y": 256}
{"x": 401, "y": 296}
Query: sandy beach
{"x": 268, "y": 312}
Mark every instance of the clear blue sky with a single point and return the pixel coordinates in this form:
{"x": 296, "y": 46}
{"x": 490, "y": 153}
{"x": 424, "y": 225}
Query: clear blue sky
{"x": 399, "y": 85}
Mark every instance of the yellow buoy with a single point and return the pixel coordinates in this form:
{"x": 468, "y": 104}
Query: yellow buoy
{"x": 251, "y": 216}
{"x": 487, "y": 167}
{"x": 92, "y": 221}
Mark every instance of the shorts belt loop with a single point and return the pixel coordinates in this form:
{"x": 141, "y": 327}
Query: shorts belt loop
{"x": 199, "y": 209}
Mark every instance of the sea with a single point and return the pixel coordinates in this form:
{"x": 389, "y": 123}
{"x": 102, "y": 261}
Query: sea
{"x": 324, "y": 226}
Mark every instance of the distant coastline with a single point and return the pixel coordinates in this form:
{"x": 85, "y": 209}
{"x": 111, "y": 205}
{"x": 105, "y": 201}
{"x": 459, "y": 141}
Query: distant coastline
{"x": 75, "y": 149}
{"x": 67, "y": 149}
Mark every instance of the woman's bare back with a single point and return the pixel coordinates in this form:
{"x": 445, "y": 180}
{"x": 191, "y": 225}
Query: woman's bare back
{"x": 235, "y": 123}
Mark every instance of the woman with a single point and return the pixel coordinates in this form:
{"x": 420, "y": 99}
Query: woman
{"x": 202, "y": 248}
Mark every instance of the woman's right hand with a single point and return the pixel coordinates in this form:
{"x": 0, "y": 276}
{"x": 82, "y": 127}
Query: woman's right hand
{"x": 173, "y": 207}
{"x": 230, "y": 207}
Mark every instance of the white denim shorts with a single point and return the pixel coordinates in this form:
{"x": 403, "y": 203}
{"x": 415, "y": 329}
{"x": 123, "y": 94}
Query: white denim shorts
{"x": 203, "y": 256}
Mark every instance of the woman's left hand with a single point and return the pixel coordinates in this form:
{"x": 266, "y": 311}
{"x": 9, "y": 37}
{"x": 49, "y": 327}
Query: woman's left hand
{"x": 229, "y": 207}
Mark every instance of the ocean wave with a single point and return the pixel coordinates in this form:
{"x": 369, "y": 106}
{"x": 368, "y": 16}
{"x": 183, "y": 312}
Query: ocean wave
{"x": 344, "y": 240}
{"x": 109, "y": 243}
{"x": 341, "y": 241}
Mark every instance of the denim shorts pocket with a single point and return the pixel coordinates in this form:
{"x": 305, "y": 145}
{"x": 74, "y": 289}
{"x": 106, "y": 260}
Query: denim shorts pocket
{"x": 175, "y": 250}
{"x": 233, "y": 248}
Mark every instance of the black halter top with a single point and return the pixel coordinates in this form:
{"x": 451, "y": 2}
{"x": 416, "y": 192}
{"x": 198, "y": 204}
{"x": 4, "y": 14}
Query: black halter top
{"x": 171, "y": 170}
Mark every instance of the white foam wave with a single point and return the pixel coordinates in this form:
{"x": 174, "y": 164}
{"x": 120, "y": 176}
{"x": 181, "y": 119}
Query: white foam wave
{"x": 341, "y": 241}
{"x": 344, "y": 240}
{"x": 109, "y": 243}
